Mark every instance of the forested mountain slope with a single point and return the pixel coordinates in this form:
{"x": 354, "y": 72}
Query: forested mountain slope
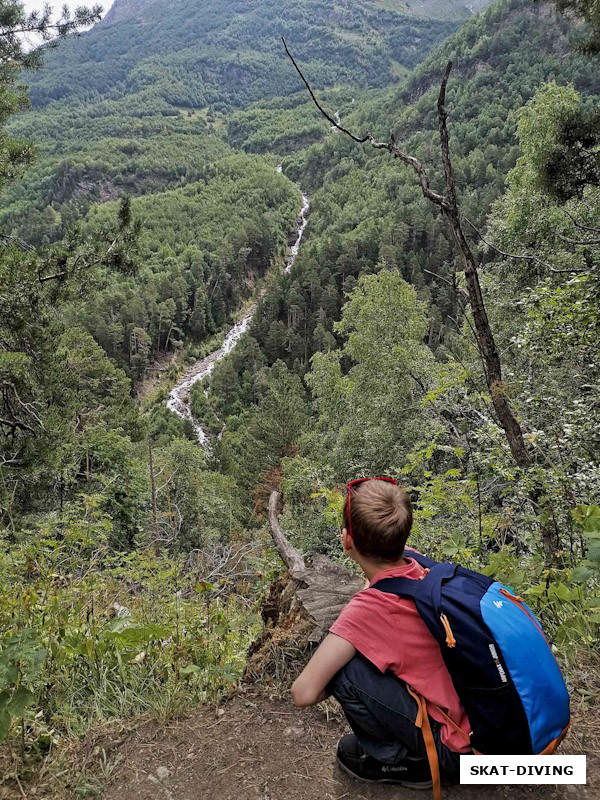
{"x": 139, "y": 104}
{"x": 134, "y": 562}
{"x": 228, "y": 54}
{"x": 144, "y": 74}
{"x": 517, "y": 99}
{"x": 366, "y": 209}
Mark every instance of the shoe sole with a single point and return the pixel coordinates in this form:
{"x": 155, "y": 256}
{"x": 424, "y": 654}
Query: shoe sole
{"x": 406, "y": 784}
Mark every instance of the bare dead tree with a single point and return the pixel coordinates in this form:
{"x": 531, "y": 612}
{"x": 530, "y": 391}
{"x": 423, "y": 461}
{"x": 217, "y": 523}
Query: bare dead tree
{"x": 321, "y": 587}
{"x": 447, "y": 203}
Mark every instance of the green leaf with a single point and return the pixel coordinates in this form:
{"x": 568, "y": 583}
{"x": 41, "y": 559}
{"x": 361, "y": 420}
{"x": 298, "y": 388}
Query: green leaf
{"x": 594, "y": 550}
{"x": 204, "y": 586}
{"x": 535, "y": 591}
{"x": 588, "y": 517}
{"x": 9, "y": 673}
{"x": 582, "y": 573}
{"x": 20, "y": 701}
{"x": 5, "y": 720}
{"x": 561, "y": 591}
{"x": 5, "y": 699}
{"x": 191, "y": 669}
{"x": 118, "y": 624}
{"x": 592, "y": 603}
{"x": 135, "y": 635}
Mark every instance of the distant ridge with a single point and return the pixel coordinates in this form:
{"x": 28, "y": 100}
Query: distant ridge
{"x": 122, "y": 10}
{"x": 429, "y": 9}
{"x": 446, "y": 9}
{"x": 192, "y": 54}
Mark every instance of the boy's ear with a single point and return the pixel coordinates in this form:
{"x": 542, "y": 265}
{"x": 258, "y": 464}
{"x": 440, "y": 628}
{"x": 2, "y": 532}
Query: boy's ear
{"x": 347, "y": 542}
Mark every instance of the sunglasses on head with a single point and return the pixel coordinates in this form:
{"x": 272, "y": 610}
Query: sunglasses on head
{"x": 351, "y": 485}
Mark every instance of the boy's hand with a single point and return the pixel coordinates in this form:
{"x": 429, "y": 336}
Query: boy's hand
{"x": 311, "y": 686}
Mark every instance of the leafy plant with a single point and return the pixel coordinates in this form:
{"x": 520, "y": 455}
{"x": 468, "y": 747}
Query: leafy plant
{"x": 587, "y": 518}
{"x": 21, "y": 660}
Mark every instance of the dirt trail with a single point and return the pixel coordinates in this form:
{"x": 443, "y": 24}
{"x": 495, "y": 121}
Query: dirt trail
{"x": 256, "y": 747}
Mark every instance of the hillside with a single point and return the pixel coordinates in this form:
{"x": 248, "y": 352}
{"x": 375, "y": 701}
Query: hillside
{"x": 140, "y": 104}
{"x": 139, "y": 586}
{"x": 365, "y": 210}
{"x": 228, "y": 54}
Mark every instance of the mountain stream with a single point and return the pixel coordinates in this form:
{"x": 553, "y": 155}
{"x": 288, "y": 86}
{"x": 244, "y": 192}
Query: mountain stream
{"x": 179, "y": 396}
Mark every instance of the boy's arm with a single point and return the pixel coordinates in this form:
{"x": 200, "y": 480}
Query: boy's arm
{"x": 333, "y": 654}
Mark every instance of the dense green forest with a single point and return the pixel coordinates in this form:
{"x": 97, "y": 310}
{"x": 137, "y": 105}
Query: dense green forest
{"x": 142, "y": 211}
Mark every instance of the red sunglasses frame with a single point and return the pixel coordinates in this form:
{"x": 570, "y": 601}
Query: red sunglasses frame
{"x": 349, "y": 492}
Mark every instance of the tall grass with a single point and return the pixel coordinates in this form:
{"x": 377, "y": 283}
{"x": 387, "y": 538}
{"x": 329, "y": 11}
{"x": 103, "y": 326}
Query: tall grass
{"x": 90, "y": 635}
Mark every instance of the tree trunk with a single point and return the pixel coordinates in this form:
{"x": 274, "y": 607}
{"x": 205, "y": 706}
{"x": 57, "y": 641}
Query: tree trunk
{"x": 487, "y": 346}
{"x": 153, "y": 488}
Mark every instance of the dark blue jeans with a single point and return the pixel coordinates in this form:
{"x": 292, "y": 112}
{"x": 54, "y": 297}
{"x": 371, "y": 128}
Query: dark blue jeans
{"x": 382, "y": 714}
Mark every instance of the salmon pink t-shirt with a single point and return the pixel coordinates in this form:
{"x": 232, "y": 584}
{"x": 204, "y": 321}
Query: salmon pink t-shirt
{"x": 389, "y": 632}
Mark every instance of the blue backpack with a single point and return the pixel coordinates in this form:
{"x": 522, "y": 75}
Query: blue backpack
{"x": 500, "y": 663}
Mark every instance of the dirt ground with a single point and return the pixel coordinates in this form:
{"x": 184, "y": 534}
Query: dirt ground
{"x": 258, "y": 747}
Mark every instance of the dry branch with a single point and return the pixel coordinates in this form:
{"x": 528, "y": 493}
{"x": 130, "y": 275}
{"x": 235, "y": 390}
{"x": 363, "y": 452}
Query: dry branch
{"x": 25, "y": 247}
{"x": 504, "y": 254}
{"x": 15, "y": 425}
{"x": 331, "y": 119}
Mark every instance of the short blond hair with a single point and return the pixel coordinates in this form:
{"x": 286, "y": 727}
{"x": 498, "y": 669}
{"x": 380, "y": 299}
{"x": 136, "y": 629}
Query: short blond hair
{"x": 381, "y": 517}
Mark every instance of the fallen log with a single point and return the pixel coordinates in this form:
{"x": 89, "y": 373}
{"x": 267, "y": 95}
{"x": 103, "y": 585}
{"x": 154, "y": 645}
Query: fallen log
{"x": 300, "y": 607}
{"x": 289, "y": 554}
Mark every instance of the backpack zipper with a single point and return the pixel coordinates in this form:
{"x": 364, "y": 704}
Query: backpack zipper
{"x": 450, "y": 640}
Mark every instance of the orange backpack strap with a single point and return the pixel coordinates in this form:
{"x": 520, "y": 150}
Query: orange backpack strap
{"x": 422, "y": 722}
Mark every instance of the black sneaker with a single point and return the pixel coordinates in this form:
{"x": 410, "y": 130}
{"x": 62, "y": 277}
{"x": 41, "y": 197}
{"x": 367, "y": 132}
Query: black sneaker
{"x": 353, "y": 760}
